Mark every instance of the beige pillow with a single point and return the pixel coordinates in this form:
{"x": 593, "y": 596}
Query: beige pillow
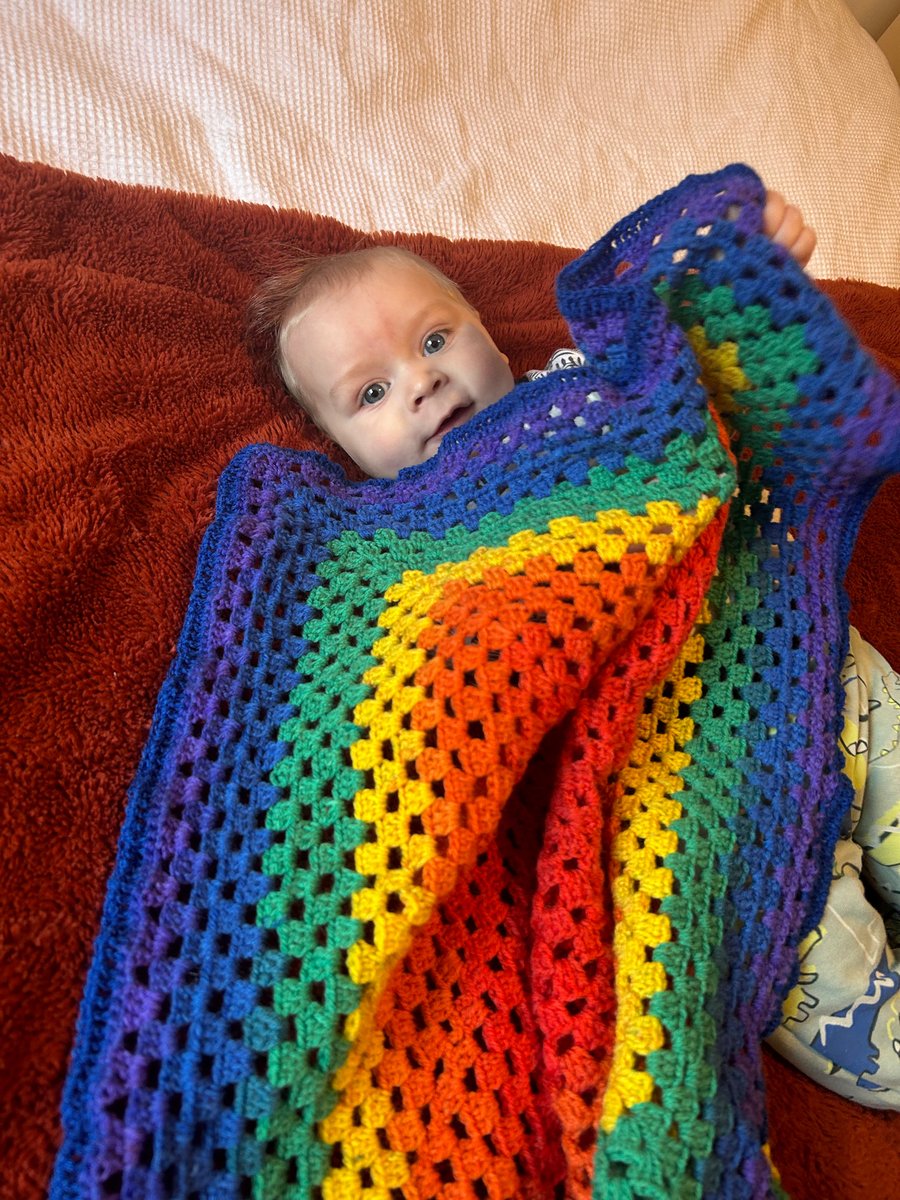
{"x": 514, "y": 118}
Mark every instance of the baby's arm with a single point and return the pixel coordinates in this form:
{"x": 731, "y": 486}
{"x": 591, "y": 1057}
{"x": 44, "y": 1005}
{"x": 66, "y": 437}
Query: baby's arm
{"x": 784, "y": 224}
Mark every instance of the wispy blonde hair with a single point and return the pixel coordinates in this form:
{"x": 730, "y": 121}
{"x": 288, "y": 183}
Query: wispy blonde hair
{"x": 282, "y": 299}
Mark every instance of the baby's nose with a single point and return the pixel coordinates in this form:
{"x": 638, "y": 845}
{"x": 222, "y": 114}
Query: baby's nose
{"x": 425, "y": 383}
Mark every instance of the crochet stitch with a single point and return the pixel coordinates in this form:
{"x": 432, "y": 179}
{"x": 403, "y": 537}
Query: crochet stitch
{"x": 483, "y": 809}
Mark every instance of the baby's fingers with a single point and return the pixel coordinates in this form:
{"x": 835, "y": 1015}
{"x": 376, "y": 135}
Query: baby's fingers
{"x": 803, "y": 247}
{"x": 773, "y": 212}
{"x": 784, "y": 224}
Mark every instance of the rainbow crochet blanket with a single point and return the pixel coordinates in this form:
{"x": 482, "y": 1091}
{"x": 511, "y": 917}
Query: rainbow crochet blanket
{"x": 483, "y": 809}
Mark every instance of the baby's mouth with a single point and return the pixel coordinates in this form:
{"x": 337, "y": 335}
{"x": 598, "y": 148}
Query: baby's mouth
{"x": 456, "y": 416}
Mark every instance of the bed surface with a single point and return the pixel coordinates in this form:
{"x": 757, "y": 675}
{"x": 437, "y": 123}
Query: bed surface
{"x": 543, "y": 122}
{"x": 116, "y": 435}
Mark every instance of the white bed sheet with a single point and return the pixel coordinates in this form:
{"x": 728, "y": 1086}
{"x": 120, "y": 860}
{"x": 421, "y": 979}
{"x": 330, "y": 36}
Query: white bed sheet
{"x": 480, "y": 118}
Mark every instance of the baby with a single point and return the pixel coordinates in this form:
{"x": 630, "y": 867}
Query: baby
{"x": 386, "y": 356}
{"x": 383, "y": 352}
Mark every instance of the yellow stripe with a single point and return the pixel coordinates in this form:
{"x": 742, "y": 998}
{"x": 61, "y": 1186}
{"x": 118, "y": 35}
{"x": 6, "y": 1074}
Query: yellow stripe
{"x": 644, "y": 810}
{"x": 720, "y": 370}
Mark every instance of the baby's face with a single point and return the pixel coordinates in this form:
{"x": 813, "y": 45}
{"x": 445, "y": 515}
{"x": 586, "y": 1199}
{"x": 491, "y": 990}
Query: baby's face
{"x": 390, "y": 363}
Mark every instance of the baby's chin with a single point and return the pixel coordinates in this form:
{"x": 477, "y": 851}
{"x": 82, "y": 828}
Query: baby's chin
{"x": 391, "y": 471}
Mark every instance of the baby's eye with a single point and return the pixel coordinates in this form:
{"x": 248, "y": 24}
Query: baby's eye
{"x": 373, "y": 393}
{"x": 433, "y": 343}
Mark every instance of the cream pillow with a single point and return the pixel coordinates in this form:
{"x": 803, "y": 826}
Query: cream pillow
{"x": 510, "y": 119}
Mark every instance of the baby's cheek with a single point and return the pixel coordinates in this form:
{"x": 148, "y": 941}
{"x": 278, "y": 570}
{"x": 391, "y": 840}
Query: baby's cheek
{"x": 387, "y": 450}
{"x": 503, "y": 381}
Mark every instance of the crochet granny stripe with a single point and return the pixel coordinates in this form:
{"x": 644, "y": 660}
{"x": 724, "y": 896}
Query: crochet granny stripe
{"x": 483, "y": 809}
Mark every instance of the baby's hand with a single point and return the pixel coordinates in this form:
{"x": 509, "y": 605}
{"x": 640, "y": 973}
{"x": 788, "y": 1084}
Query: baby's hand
{"x": 784, "y": 224}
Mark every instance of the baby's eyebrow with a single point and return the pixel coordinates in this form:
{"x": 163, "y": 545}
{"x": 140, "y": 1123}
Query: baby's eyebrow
{"x": 341, "y": 384}
{"x": 437, "y": 313}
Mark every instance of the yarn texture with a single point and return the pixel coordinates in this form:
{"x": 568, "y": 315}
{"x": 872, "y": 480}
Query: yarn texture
{"x": 483, "y": 809}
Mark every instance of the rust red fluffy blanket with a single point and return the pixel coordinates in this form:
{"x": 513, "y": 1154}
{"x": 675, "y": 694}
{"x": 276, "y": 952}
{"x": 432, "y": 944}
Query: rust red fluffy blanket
{"x": 126, "y": 388}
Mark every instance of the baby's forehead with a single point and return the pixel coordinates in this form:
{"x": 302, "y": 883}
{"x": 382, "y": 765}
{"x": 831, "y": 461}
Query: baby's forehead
{"x": 379, "y": 299}
{"x": 371, "y": 282}
{"x": 408, "y": 272}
